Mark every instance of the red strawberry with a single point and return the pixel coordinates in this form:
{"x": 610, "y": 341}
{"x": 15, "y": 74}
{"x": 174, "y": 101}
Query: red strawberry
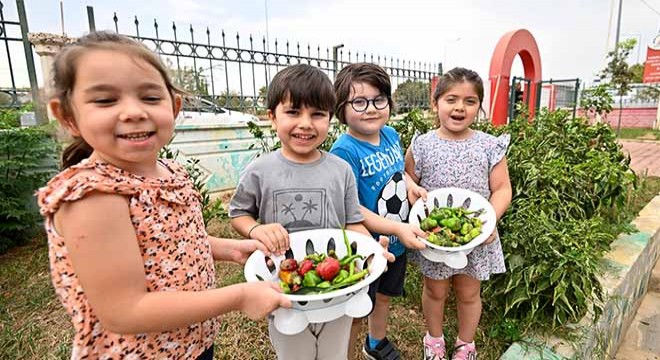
{"x": 305, "y": 266}
{"x": 328, "y": 268}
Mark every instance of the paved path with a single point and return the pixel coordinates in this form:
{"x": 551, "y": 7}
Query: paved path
{"x": 642, "y": 339}
{"x": 645, "y": 156}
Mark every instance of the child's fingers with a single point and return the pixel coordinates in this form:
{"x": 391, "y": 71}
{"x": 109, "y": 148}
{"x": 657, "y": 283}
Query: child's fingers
{"x": 258, "y": 245}
{"x": 384, "y": 241}
{"x": 283, "y": 300}
{"x": 282, "y": 239}
{"x": 422, "y": 193}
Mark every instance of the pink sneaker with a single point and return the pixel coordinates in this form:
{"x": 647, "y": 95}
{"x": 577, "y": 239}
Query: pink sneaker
{"x": 464, "y": 351}
{"x": 434, "y": 349}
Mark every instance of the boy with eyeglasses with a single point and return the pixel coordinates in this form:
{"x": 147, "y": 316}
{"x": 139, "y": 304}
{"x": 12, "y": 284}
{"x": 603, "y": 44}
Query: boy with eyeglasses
{"x": 373, "y": 150}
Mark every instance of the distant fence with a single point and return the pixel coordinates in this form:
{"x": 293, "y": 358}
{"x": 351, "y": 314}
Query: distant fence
{"x": 234, "y": 71}
{"x": 13, "y": 36}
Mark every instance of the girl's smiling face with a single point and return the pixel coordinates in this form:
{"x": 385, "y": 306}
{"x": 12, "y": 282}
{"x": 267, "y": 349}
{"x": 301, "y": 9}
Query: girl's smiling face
{"x": 122, "y": 108}
{"x": 457, "y": 109}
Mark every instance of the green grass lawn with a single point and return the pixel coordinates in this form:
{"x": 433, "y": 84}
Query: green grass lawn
{"x": 33, "y": 324}
{"x": 640, "y": 134}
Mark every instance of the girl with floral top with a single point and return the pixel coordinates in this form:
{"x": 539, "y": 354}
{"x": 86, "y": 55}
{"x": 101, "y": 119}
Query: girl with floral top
{"x": 130, "y": 259}
{"x": 454, "y": 155}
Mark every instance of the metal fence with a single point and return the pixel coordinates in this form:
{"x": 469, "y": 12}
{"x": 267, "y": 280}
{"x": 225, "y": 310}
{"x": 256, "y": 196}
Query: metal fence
{"x": 558, "y": 94}
{"x": 13, "y": 36}
{"x": 639, "y": 96}
{"x": 234, "y": 71}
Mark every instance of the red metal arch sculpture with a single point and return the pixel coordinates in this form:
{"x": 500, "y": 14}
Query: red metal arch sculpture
{"x": 517, "y": 42}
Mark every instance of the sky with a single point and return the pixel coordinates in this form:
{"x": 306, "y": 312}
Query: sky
{"x": 573, "y": 36}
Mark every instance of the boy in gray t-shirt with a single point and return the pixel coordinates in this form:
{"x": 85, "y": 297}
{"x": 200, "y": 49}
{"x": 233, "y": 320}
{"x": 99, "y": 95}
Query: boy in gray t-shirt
{"x": 299, "y": 187}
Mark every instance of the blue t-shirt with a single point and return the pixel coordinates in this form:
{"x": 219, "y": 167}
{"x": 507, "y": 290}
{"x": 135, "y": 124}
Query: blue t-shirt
{"x": 379, "y": 171}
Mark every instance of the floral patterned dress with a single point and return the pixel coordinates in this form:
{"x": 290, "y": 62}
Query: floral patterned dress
{"x": 464, "y": 164}
{"x": 166, "y": 215}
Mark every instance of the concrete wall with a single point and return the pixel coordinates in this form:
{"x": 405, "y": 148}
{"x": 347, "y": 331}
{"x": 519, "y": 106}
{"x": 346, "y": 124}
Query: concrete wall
{"x": 223, "y": 150}
{"x": 643, "y": 118}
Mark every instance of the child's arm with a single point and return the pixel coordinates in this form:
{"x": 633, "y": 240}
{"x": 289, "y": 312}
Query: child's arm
{"x": 414, "y": 190}
{"x": 407, "y": 233}
{"x": 274, "y": 236}
{"x": 234, "y": 250}
{"x": 500, "y": 191}
{"x": 383, "y": 241}
{"x": 104, "y": 252}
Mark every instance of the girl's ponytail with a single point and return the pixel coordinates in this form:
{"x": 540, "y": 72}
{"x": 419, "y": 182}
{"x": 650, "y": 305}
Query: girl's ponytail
{"x": 76, "y": 152}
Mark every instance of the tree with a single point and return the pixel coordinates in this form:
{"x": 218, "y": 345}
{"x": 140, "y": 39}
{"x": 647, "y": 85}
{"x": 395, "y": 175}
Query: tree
{"x": 618, "y": 73}
{"x": 638, "y": 73}
{"x": 189, "y": 79}
{"x": 412, "y": 94}
{"x": 596, "y": 99}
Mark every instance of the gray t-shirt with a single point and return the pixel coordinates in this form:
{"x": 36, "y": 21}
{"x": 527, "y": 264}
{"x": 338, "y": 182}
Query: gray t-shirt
{"x": 316, "y": 195}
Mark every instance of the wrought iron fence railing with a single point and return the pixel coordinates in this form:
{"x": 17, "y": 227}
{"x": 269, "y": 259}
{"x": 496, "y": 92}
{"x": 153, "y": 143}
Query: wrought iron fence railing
{"x": 234, "y": 71}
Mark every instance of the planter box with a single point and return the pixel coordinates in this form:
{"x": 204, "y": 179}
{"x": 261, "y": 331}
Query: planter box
{"x": 625, "y": 280}
{"x": 223, "y": 151}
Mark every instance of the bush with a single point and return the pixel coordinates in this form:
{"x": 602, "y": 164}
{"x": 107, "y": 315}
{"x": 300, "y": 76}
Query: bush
{"x": 211, "y": 209}
{"x": 570, "y": 181}
{"x": 11, "y": 117}
{"x": 24, "y": 166}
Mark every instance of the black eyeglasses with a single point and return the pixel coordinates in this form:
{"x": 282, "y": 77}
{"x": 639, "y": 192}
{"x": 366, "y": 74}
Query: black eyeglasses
{"x": 361, "y": 104}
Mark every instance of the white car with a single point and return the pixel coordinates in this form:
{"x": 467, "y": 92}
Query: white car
{"x": 198, "y": 111}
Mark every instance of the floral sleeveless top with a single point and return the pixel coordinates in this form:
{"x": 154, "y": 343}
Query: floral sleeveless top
{"x": 167, "y": 217}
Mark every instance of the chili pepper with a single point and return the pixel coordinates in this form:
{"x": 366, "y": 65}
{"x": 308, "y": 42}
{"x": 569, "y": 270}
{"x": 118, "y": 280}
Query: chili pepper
{"x": 315, "y": 257}
{"x": 305, "y": 266}
{"x": 349, "y": 250}
{"x": 328, "y": 268}
{"x": 475, "y": 232}
{"x": 343, "y": 274}
{"x": 290, "y": 277}
{"x": 311, "y": 279}
{"x": 285, "y": 287}
{"x": 347, "y": 260}
{"x": 289, "y": 265}
{"x": 466, "y": 228}
{"x": 428, "y": 223}
{"x": 323, "y": 284}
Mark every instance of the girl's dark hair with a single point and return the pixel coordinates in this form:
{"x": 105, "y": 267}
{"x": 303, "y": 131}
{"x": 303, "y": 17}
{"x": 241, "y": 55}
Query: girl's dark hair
{"x": 302, "y": 85}
{"x": 64, "y": 77}
{"x": 371, "y": 74}
{"x": 458, "y": 75}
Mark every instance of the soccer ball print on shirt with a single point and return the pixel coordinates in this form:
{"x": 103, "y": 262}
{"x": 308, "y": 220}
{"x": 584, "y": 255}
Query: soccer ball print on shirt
{"x": 393, "y": 201}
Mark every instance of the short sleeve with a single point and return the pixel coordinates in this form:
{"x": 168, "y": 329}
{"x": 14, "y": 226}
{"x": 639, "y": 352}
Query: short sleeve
{"x": 72, "y": 184}
{"x": 351, "y": 201}
{"x": 416, "y": 149}
{"x": 246, "y": 197}
{"x": 498, "y": 150}
{"x": 344, "y": 155}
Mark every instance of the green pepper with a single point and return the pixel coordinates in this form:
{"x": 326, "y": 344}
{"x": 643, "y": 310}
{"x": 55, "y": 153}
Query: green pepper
{"x": 349, "y": 251}
{"x": 285, "y": 287}
{"x": 452, "y": 223}
{"x": 466, "y": 228}
{"x": 347, "y": 259}
{"x": 323, "y": 284}
{"x": 428, "y": 223}
{"x": 475, "y": 232}
{"x": 311, "y": 279}
{"x": 434, "y": 239}
{"x": 315, "y": 257}
{"x": 343, "y": 274}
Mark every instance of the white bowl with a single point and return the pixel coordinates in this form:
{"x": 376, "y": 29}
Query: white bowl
{"x": 352, "y": 301}
{"x": 455, "y": 257}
